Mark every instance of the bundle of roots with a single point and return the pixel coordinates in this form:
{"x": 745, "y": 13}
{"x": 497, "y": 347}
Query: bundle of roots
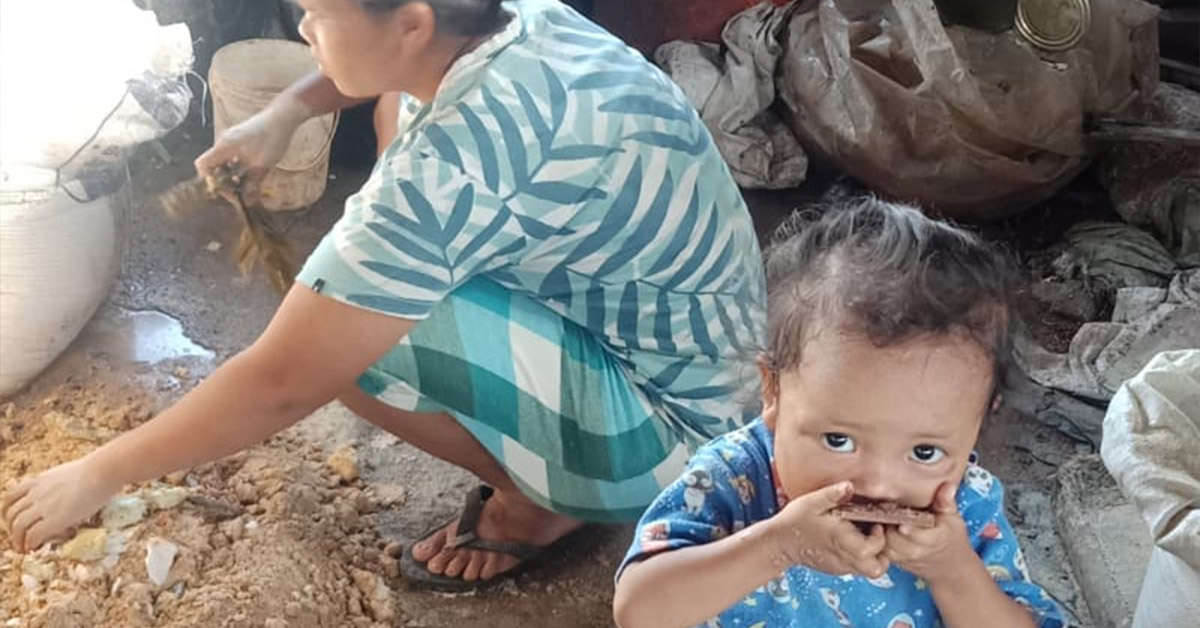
{"x": 259, "y": 241}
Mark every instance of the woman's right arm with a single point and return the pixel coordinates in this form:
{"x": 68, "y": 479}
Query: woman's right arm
{"x": 259, "y": 142}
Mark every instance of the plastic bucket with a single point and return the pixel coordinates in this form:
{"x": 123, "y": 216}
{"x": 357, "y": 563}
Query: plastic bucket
{"x": 58, "y": 260}
{"x": 244, "y": 77}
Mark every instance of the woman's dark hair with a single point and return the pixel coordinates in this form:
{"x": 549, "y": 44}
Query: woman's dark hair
{"x": 887, "y": 272}
{"x": 462, "y": 18}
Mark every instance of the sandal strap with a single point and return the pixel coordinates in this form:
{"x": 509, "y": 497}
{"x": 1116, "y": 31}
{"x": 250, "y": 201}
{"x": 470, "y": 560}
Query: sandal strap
{"x": 466, "y": 533}
{"x": 468, "y": 520}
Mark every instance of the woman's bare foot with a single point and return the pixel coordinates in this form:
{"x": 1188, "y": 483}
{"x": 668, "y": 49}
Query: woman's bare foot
{"x": 506, "y": 516}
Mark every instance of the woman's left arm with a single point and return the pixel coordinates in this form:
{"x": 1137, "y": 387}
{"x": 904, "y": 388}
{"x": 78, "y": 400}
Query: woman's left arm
{"x": 313, "y": 350}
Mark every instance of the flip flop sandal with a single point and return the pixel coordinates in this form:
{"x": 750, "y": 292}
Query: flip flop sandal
{"x": 466, "y": 536}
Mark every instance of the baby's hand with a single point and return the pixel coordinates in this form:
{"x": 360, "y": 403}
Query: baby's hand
{"x": 807, "y": 532}
{"x": 935, "y": 553}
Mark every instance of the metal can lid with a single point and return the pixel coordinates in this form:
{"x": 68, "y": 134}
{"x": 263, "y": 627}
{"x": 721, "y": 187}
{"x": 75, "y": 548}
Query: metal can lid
{"x": 1053, "y": 24}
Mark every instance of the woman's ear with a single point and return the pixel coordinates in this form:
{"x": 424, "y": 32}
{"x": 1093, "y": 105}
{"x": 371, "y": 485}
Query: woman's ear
{"x": 770, "y": 392}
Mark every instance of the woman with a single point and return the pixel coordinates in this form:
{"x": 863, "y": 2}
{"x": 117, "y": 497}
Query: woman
{"x": 549, "y": 279}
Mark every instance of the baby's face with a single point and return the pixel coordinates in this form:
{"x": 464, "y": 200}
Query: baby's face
{"x": 897, "y": 421}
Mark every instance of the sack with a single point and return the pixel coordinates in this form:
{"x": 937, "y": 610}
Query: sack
{"x": 972, "y": 124}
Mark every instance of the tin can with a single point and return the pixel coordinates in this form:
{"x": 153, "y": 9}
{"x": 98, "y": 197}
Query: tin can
{"x": 1053, "y": 25}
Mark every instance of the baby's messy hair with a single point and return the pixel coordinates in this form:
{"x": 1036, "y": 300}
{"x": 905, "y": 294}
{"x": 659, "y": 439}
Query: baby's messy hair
{"x": 888, "y": 272}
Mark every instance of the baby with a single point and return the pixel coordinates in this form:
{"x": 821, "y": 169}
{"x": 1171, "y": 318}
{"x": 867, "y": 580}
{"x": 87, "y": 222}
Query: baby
{"x": 889, "y": 338}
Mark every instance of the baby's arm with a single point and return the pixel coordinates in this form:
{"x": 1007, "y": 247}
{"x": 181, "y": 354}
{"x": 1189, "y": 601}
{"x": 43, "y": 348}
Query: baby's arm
{"x": 969, "y": 598}
{"x": 686, "y": 585}
{"x": 972, "y": 562}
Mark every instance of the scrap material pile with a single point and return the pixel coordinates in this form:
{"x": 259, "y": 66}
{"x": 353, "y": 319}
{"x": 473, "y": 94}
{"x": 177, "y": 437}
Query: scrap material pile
{"x": 278, "y": 536}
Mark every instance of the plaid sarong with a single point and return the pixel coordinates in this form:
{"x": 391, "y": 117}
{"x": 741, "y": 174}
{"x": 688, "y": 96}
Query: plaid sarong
{"x": 555, "y": 407}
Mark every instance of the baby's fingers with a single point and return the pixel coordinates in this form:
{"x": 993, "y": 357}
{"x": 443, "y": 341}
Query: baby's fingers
{"x": 900, "y": 547}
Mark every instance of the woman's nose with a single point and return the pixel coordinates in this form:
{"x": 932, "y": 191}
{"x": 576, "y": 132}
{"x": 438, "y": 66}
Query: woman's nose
{"x": 305, "y": 28}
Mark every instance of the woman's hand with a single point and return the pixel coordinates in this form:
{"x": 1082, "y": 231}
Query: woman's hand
{"x": 44, "y": 506}
{"x": 254, "y": 146}
{"x": 806, "y": 532}
{"x": 933, "y": 553}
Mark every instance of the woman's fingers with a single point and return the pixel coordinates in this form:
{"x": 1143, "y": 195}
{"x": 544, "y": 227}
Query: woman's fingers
{"x": 20, "y": 529}
{"x": 11, "y": 497}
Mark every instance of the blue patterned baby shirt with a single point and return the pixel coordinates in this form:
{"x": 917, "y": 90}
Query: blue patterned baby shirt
{"x": 730, "y": 484}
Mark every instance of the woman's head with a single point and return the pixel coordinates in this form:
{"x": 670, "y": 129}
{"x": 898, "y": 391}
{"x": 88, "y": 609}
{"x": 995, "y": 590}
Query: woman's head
{"x": 889, "y": 336}
{"x": 368, "y": 47}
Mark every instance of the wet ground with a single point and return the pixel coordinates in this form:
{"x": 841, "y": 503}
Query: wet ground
{"x": 179, "y": 308}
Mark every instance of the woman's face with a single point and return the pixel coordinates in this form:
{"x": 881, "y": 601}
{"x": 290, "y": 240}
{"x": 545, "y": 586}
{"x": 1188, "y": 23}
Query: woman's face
{"x": 367, "y": 54}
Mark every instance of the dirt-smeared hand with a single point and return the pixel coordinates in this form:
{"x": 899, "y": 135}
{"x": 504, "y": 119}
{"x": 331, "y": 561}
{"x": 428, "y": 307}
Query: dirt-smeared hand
{"x": 44, "y": 506}
{"x": 807, "y": 532}
{"x": 254, "y": 146}
{"x": 937, "y": 552}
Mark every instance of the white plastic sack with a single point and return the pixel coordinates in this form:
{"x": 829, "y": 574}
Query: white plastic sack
{"x": 74, "y": 69}
{"x": 1152, "y": 447}
{"x": 973, "y": 124}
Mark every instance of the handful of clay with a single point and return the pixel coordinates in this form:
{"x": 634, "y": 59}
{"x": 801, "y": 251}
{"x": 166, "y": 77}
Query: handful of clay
{"x": 259, "y": 240}
{"x": 887, "y": 513}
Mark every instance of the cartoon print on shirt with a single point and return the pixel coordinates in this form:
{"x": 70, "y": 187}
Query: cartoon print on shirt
{"x": 883, "y": 582}
{"x": 903, "y": 620}
{"x": 744, "y": 486}
{"x": 655, "y": 537}
{"x": 834, "y": 602}
{"x": 699, "y": 484}
{"x": 778, "y": 589}
{"x": 1019, "y": 563}
{"x": 979, "y": 479}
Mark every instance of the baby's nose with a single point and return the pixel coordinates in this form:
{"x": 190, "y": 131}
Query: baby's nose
{"x": 878, "y": 483}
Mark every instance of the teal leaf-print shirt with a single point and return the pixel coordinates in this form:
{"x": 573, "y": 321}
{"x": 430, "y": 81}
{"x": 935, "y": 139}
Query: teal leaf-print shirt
{"x": 558, "y": 162}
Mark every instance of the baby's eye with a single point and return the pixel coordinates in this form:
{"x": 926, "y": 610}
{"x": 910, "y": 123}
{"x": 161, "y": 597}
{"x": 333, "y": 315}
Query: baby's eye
{"x": 838, "y": 442}
{"x": 928, "y": 454}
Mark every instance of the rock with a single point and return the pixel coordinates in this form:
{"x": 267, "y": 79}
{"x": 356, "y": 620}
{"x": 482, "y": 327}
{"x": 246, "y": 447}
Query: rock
{"x": 212, "y": 510}
{"x": 29, "y": 583}
{"x": 89, "y": 544}
{"x": 391, "y": 566}
{"x": 114, "y": 546}
{"x": 160, "y": 555}
{"x": 165, "y": 497}
{"x": 377, "y": 595}
{"x": 235, "y": 529}
{"x": 123, "y": 511}
{"x": 175, "y": 479}
{"x": 388, "y": 494}
{"x": 246, "y": 493}
{"x": 40, "y": 571}
{"x": 68, "y": 427}
{"x": 275, "y": 622}
{"x": 344, "y": 463}
{"x": 353, "y": 606}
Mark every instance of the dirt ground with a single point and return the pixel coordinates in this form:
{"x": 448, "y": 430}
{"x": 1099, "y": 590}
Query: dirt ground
{"x": 280, "y": 535}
